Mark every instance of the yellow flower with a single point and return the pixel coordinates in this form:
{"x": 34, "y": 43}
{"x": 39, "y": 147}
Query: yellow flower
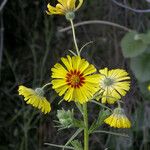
{"x": 64, "y": 7}
{"x": 149, "y": 87}
{"x": 113, "y": 84}
{"x": 75, "y": 79}
{"x": 35, "y": 98}
{"x": 118, "y": 119}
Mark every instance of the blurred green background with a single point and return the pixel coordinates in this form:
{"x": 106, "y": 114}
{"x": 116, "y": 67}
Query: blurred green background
{"x": 32, "y": 44}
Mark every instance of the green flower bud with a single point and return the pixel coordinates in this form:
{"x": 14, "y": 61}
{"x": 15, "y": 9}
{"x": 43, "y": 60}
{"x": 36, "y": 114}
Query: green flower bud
{"x": 65, "y": 118}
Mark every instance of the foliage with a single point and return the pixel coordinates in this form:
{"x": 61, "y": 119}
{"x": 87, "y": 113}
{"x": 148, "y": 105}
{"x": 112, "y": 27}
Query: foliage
{"x": 136, "y": 47}
{"x": 132, "y": 45}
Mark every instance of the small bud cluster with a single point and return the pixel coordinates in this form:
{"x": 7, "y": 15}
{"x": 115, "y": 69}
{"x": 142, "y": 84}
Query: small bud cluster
{"x": 65, "y": 118}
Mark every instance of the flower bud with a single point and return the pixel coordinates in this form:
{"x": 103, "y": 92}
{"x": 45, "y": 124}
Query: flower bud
{"x": 65, "y": 118}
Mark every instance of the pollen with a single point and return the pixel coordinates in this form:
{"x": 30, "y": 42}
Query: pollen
{"x": 75, "y": 79}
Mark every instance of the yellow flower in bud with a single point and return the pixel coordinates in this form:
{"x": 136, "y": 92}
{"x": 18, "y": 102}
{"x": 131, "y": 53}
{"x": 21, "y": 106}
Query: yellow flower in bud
{"x": 113, "y": 84}
{"x": 118, "y": 119}
{"x": 64, "y": 6}
{"x": 35, "y": 98}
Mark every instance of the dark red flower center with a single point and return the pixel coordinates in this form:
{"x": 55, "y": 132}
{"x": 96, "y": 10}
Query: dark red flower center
{"x": 75, "y": 78}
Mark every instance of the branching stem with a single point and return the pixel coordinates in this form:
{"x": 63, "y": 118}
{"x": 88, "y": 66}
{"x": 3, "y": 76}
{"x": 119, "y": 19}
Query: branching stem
{"x": 103, "y": 22}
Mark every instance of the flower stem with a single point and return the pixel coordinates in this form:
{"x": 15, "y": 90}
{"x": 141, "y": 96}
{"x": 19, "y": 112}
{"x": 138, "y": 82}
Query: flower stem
{"x": 85, "y": 112}
{"x": 119, "y": 105}
{"x": 47, "y": 84}
{"x": 74, "y": 38}
{"x": 86, "y": 134}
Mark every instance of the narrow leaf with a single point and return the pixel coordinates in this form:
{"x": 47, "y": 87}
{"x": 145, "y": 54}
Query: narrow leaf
{"x": 73, "y": 137}
{"x": 112, "y": 133}
{"x": 60, "y": 146}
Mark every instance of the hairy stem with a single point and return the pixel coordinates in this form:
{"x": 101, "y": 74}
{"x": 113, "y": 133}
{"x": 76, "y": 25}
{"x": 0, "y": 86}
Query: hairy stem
{"x": 74, "y": 38}
{"x": 86, "y": 134}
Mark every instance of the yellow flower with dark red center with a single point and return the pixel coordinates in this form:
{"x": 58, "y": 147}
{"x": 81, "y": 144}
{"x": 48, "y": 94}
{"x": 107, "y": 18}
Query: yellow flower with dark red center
{"x": 118, "y": 119}
{"x": 64, "y": 7}
{"x": 35, "y": 98}
{"x": 75, "y": 79}
{"x": 113, "y": 84}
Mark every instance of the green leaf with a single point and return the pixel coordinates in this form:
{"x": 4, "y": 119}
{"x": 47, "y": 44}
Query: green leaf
{"x": 141, "y": 67}
{"x": 78, "y": 123}
{"x": 93, "y": 127}
{"x": 77, "y": 145}
{"x": 73, "y": 137}
{"x": 132, "y": 45}
{"x": 112, "y": 133}
{"x": 60, "y": 146}
{"x": 103, "y": 114}
{"x": 145, "y": 37}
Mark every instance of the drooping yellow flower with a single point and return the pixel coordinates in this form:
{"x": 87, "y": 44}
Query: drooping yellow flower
{"x": 75, "y": 79}
{"x": 113, "y": 84}
{"x": 64, "y": 6}
{"x": 35, "y": 98}
{"x": 118, "y": 119}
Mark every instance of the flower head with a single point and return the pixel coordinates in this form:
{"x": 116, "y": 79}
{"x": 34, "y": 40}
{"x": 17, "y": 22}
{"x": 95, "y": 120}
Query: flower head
{"x": 118, "y": 119}
{"x": 75, "y": 79}
{"x": 64, "y": 6}
{"x": 113, "y": 84}
{"x": 35, "y": 98}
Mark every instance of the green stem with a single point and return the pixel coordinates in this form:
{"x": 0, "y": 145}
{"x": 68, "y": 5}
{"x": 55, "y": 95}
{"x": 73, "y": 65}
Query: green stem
{"x": 74, "y": 38}
{"x": 86, "y": 134}
{"x": 112, "y": 133}
{"x": 46, "y": 85}
{"x": 100, "y": 104}
{"x": 119, "y": 105}
{"x": 85, "y": 112}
